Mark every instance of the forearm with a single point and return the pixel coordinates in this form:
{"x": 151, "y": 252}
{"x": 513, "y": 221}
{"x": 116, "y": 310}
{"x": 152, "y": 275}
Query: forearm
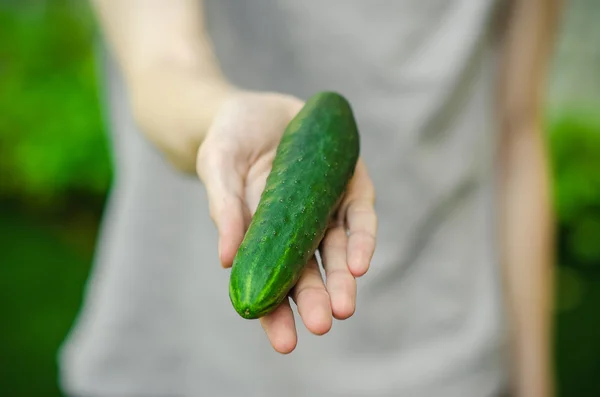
{"x": 527, "y": 222}
{"x": 528, "y": 258}
{"x": 169, "y": 67}
{"x": 149, "y": 35}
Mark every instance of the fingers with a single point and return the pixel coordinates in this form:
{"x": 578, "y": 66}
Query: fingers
{"x": 358, "y": 210}
{"x": 313, "y": 300}
{"x": 225, "y": 189}
{"x": 341, "y": 284}
{"x": 362, "y": 225}
{"x": 280, "y": 328}
{"x": 314, "y": 308}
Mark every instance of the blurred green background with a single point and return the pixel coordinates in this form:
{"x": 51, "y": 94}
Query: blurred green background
{"x": 55, "y": 171}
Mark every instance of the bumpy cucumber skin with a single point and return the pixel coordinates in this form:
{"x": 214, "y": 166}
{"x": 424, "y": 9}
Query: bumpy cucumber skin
{"x": 314, "y": 162}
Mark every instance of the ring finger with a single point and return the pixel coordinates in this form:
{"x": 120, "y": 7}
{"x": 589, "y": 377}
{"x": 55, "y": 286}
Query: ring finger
{"x": 312, "y": 300}
{"x": 341, "y": 284}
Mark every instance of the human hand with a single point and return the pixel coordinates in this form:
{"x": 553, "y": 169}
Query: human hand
{"x": 176, "y": 88}
{"x": 233, "y": 162}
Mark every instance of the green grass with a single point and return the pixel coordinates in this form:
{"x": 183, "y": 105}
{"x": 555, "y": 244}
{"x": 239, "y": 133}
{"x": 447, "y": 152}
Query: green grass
{"x": 41, "y": 280}
{"x": 577, "y": 333}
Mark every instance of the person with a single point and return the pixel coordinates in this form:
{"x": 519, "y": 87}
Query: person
{"x": 452, "y": 186}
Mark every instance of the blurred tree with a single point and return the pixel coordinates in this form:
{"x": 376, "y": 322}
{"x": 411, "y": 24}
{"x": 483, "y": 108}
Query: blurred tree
{"x": 574, "y": 128}
{"x": 575, "y": 148}
{"x": 51, "y": 140}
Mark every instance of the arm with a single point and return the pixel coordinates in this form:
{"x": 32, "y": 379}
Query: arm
{"x": 228, "y": 136}
{"x": 168, "y": 63}
{"x": 527, "y": 222}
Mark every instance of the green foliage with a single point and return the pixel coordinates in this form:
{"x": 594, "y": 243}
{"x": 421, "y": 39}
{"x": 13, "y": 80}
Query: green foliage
{"x": 52, "y": 145}
{"x": 575, "y": 152}
{"x": 41, "y": 286}
{"x": 51, "y": 129}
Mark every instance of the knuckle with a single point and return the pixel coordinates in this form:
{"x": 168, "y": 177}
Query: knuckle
{"x": 339, "y": 274}
{"x": 208, "y": 160}
{"x": 362, "y": 209}
{"x": 364, "y": 236}
{"x": 302, "y": 290}
{"x": 334, "y": 246}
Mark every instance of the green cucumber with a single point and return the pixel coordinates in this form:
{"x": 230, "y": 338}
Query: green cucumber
{"x": 313, "y": 164}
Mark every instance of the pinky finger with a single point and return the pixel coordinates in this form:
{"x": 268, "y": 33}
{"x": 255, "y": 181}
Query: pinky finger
{"x": 280, "y": 328}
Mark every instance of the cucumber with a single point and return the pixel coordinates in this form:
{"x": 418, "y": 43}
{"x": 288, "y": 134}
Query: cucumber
{"x": 314, "y": 162}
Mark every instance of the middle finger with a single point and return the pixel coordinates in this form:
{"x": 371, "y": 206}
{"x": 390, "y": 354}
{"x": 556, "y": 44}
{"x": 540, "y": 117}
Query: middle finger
{"x": 341, "y": 284}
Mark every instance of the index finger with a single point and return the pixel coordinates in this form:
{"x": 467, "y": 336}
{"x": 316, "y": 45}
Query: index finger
{"x": 360, "y": 218}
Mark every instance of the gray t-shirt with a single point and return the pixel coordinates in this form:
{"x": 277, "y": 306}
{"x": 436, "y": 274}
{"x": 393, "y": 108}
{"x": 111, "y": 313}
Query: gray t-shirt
{"x": 420, "y": 74}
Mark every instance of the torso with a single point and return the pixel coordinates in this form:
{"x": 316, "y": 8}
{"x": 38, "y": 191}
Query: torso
{"x": 420, "y": 75}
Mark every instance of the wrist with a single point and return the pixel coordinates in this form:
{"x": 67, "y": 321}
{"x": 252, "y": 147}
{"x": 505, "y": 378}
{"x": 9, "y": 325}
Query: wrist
{"x": 174, "y": 108}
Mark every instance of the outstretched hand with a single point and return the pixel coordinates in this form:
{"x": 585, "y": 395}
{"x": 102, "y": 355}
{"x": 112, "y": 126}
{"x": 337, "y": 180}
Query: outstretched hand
{"x": 233, "y": 162}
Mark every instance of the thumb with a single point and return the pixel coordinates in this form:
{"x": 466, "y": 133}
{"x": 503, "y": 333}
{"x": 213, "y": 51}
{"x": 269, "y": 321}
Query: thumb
{"x": 225, "y": 189}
